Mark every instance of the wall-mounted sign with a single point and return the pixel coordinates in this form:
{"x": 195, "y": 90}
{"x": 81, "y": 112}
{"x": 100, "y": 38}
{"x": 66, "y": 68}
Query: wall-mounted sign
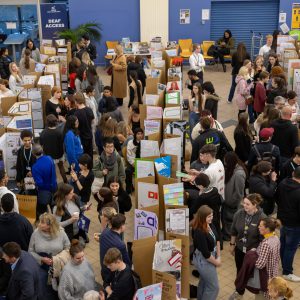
{"x": 54, "y": 18}
{"x": 296, "y": 16}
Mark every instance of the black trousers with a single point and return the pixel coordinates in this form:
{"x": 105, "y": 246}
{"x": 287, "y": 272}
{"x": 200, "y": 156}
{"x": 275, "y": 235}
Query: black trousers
{"x": 129, "y": 171}
{"x": 220, "y": 52}
{"x": 239, "y": 258}
{"x": 87, "y": 145}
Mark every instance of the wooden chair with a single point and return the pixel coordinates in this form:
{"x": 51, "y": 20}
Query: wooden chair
{"x": 27, "y": 207}
{"x": 186, "y": 47}
{"x": 110, "y": 45}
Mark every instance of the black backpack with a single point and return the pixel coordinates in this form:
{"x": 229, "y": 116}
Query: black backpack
{"x": 136, "y": 280}
{"x": 266, "y": 156}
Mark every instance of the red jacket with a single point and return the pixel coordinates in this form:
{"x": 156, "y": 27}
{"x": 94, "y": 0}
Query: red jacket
{"x": 260, "y": 97}
{"x": 247, "y": 271}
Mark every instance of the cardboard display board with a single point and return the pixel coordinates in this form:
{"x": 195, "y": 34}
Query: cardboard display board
{"x": 185, "y": 262}
{"x": 6, "y": 104}
{"x": 145, "y": 224}
{"x": 169, "y": 284}
{"x": 143, "y": 263}
{"x": 150, "y": 179}
{"x": 161, "y": 180}
{"x": 151, "y": 84}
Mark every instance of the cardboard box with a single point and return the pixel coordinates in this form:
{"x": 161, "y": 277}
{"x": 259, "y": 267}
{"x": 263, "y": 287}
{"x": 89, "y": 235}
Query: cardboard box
{"x": 169, "y": 284}
{"x": 7, "y": 103}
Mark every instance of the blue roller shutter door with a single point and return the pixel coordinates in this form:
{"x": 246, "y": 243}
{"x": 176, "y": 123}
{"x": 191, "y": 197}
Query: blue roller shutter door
{"x": 243, "y": 16}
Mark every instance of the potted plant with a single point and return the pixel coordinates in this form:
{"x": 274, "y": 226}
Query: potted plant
{"x": 73, "y": 35}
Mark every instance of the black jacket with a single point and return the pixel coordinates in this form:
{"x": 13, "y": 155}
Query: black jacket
{"x": 262, "y": 148}
{"x": 273, "y": 93}
{"x": 211, "y": 103}
{"x": 52, "y": 141}
{"x": 266, "y": 188}
{"x": 243, "y": 144}
{"x": 124, "y": 202}
{"x": 15, "y": 228}
{"x": 287, "y": 169}
{"x": 24, "y": 283}
{"x": 132, "y": 66}
{"x": 5, "y": 273}
{"x": 210, "y": 136}
{"x": 92, "y": 51}
{"x": 288, "y": 202}
{"x": 4, "y": 67}
{"x": 236, "y": 65}
{"x": 22, "y": 164}
{"x": 285, "y": 137}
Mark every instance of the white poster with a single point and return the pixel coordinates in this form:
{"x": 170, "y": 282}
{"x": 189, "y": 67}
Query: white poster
{"x": 177, "y": 221}
{"x": 147, "y": 194}
{"x": 185, "y": 16}
{"x": 149, "y": 148}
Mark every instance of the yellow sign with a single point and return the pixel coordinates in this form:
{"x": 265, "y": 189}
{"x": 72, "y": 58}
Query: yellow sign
{"x": 296, "y": 16}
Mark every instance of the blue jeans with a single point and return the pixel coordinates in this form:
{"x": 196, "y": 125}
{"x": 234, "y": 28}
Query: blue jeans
{"x": 289, "y": 241}
{"x": 208, "y": 287}
{"x": 193, "y": 120}
{"x": 232, "y": 89}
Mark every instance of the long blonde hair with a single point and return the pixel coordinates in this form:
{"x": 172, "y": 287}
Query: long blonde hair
{"x": 50, "y": 220}
{"x": 281, "y": 287}
{"x": 17, "y": 75}
{"x": 110, "y": 128}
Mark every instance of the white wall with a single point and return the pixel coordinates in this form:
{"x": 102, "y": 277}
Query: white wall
{"x": 154, "y": 19}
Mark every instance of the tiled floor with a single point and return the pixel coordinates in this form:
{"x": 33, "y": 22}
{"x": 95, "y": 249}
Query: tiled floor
{"x": 227, "y": 112}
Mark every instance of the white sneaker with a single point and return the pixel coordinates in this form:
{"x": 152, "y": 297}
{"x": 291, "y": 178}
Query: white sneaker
{"x": 235, "y": 296}
{"x": 291, "y": 277}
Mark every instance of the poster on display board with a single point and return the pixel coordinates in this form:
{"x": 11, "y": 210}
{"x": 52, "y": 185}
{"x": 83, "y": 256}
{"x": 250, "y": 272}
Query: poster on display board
{"x": 296, "y": 16}
{"x": 54, "y": 18}
{"x": 185, "y": 16}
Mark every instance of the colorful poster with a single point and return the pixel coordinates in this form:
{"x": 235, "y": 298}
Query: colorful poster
{"x": 177, "y": 221}
{"x": 145, "y": 224}
{"x": 147, "y": 194}
{"x": 163, "y": 166}
{"x": 173, "y": 97}
{"x": 151, "y": 126}
{"x": 173, "y": 194}
{"x": 154, "y": 112}
{"x": 185, "y": 16}
{"x": 150, "y": 292}
{"x": 167, "y": 258}
{"x": 144, "y": 168}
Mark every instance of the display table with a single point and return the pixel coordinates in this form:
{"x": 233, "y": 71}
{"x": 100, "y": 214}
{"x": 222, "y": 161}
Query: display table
{"x": 15, "y": 39}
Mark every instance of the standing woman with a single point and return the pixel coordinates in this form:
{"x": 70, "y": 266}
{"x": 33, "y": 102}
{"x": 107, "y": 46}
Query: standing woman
{"x": 237, "y": 61}
{"x": 5, "y": 60}
{"x": 69, "y": 105}
{"x": 72, "y": 142}
{"x": 80, "y": 78}
{"x": 119, "y": 195}
{"x": 195, "y": 105}
{"x": 34, "y": 51}
{"x": 135, "y": 90}
{"x": 258, "y": 67}
{"x": 119, "y": 75}
{"x": 269, "y": 249}
{"x": 244, "y": 232}
{"x": 207, "y": 255}
{"x": 273, "y": 61}
{"x": 243, "y": 137}
{"x": 27, "y": 64}
{"x": 242, "y": 90}
{"x": 15, "y": 78}
{"x": 77, "y": 276}
{"x": 235, "y": 180}
{"x": 54, "y": 105}
{"x": 225, "y": 47}
{"x": 48, "y": 240}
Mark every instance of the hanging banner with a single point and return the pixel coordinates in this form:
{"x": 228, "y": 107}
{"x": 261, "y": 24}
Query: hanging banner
{"x": 54, "y": 18}
{"x": 296, "y": 16}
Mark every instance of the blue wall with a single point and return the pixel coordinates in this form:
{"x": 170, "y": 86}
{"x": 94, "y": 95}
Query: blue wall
{"x": 198, "y": 31}
{"x": 119, "y": 19}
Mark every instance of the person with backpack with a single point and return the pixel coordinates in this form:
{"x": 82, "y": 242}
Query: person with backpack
{"x": 265, "y": 150}
{"x": 263, "y": 181}
{"x": 122, "y": 282}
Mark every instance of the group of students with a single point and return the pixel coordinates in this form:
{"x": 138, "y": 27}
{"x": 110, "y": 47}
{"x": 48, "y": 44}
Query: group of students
{"x": 84, "y": 122}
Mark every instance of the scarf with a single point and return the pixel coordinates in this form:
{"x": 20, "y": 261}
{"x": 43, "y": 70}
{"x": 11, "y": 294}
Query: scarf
{"x": 108, "y": 161}
{"x": 138, "y": 148}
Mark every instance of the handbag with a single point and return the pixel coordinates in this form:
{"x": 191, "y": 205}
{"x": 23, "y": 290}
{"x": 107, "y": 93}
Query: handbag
{"x": 84, "y": 223}
{"x": 109, "y": 70}
{"x": 249, "y": 100}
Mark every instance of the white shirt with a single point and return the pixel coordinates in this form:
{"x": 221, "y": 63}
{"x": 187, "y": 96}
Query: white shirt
{"x": 216, "y": 174}
{"x": 4, "y": 190}
{"x": 264, "y": 49}
{"x": 197, "y": 62}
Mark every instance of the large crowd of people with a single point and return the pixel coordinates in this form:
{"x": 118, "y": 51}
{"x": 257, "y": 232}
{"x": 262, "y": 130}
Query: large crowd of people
{"x": 239, "y": 195}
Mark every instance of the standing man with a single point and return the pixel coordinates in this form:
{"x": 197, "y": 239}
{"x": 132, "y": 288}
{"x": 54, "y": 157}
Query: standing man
{"x": 24, "y": 281}
{"x": 89, "y": 47}
{"x": 44, "y": 175}
{"x": 288, "y": 201}
{"x": 197, "y": 62}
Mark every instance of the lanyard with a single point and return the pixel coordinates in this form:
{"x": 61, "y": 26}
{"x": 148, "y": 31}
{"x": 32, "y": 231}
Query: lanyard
{"x": 248, "y": 220}
{"x": 29, "y": 157}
